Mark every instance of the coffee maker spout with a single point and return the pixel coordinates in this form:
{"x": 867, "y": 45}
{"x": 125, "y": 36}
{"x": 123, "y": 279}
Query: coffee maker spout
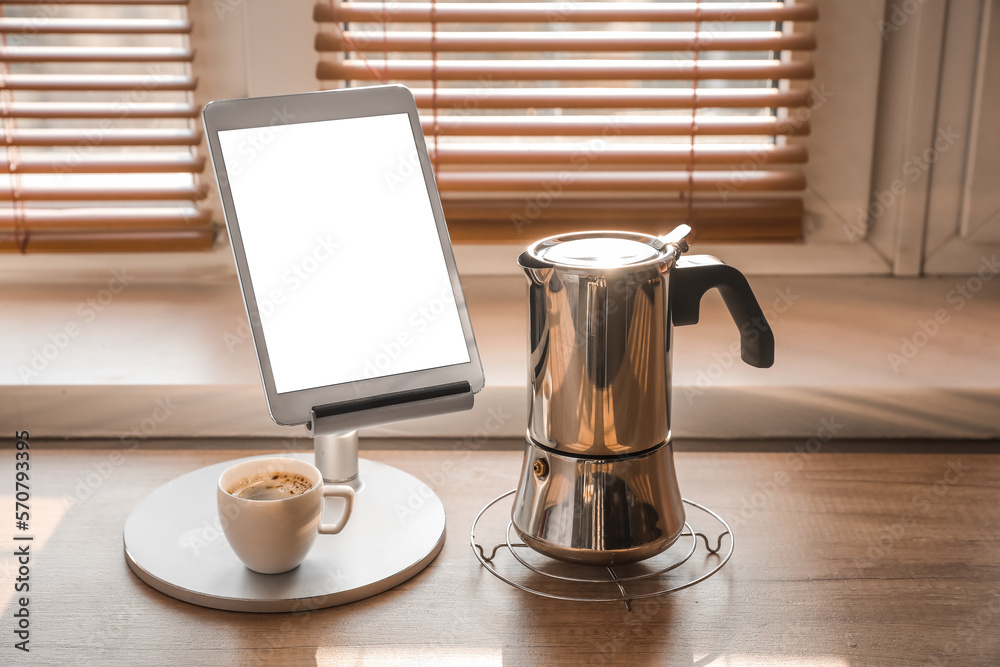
{"x": 538, "y": 272}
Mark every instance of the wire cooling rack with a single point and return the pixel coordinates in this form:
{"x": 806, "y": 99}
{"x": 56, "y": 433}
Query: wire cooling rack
{"x": 539, "y": 575}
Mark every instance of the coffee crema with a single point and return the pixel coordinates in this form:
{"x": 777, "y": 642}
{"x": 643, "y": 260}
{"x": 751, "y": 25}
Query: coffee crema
{"x": 270, "y": 486}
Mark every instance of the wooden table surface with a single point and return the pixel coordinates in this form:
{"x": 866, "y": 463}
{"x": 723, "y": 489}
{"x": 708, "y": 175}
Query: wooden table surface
{"x": 841, "y": 559}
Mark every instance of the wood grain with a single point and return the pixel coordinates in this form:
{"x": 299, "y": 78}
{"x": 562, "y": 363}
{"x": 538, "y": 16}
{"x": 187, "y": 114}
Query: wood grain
{"x": 825, "y": 573}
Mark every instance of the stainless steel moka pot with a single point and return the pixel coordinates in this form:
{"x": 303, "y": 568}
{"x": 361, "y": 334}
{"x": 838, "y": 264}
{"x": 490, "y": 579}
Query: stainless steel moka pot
{"x": 598, "y": 483}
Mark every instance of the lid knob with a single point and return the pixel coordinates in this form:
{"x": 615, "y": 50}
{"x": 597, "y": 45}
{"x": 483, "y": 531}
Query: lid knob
{"x": 676, "y": 238}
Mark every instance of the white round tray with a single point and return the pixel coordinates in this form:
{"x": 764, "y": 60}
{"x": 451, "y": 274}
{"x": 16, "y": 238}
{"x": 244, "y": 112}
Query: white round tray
{"x": 174, "y": 543}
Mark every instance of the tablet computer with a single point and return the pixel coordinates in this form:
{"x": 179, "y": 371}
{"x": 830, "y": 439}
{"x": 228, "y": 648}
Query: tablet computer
{"x": 343, "y": 256}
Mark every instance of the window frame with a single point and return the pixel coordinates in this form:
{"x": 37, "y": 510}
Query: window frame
{"x": 969, "y": 57}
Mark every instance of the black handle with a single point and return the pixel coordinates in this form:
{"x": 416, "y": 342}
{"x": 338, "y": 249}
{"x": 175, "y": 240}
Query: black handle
{"x": 692, "y": 276}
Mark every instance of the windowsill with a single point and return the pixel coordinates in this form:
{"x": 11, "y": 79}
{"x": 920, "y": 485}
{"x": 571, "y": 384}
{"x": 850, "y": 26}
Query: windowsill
{"x": 474, "y": 261}
{"x": 156, "y": 361}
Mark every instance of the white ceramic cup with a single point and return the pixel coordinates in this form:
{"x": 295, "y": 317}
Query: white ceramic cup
{"x": 274, "y": 536}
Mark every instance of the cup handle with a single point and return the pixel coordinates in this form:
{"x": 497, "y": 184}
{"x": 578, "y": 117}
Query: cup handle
{"x": 337, "y": 491}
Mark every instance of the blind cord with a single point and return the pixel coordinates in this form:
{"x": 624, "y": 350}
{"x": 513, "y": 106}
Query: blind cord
{"x": 385, "y": 42}
{"x": 382, "y": 76}
{"x": 434, "y": 82}
{"x": 13, "y": 153}
{"x": 696, "y": 46}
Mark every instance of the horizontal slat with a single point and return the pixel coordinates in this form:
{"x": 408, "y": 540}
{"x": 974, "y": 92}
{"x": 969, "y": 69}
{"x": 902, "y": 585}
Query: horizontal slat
{"x": 168, "y": 193}
{"x": 563, "y": 70}
{"x": 104, "y": 218}
{"x": 96, "y": 137}
{"x": 101, "y": 240}
{"x": 619, "y": 181}
{"x": 610, "y": 126}
{"x": 516, "y": 221}
{"x": 608, "y": 98}
{"x": 32, "y": 25}
{"x": 98, "y": 82}
{"x": 563, "y": 41}
{"x": 545, "y": 12}
{"x": 601, "y": 154}
{"x": 73, "y": 163}
{"x": 755, "y": 209}
{"x": 66, "y": 110}
{"x": 68, "y": 54}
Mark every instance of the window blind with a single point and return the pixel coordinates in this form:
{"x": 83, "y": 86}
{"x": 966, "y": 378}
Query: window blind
{"x": 543, "y": 117}
{"x": 99, "y": 143}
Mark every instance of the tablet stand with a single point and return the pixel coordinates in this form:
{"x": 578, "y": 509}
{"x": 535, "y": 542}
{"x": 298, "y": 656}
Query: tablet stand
{"x": 174, "y": 539}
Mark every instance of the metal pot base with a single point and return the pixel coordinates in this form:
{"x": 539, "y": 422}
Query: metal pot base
{"x": 598, "y": 511}
{"x": 595, "y": 556}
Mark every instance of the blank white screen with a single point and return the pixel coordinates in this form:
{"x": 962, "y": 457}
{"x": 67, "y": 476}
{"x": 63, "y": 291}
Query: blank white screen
{"x": 343, "y": 252}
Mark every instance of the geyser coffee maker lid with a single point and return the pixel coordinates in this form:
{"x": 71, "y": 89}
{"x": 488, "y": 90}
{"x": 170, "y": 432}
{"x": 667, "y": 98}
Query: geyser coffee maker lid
{"x": 602, "y": 253}
{"x": 609, "y": 249}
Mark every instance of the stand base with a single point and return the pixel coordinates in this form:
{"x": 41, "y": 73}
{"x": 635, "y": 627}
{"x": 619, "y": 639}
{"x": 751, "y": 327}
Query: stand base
{"x": 174, "y": 542}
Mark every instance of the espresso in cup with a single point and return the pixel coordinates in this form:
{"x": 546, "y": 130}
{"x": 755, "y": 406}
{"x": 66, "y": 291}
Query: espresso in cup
{"x": 270, "y": 486}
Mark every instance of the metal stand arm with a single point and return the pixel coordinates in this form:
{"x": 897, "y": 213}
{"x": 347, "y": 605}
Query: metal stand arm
{"x": 337, "y": 458}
